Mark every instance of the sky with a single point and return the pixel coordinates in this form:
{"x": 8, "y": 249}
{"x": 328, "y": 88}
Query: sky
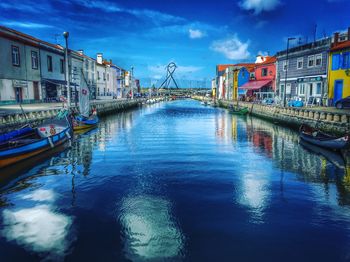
{"x": 196, "y": 35}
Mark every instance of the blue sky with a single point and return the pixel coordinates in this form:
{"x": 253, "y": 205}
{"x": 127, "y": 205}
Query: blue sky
{"x": 197, "y": 35}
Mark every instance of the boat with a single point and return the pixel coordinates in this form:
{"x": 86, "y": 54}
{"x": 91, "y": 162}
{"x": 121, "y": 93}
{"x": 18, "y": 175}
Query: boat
{"x": 316, "y": 137}
{"x": 204, "y": 103}
{"x": 85, "y": 120}
{"x": 239, "y": 110}
{"x": 82, "y": 123}
{"x": 332, "y": 156}
{"x": 50, "y": 134}
{"x": 22, "y": 132}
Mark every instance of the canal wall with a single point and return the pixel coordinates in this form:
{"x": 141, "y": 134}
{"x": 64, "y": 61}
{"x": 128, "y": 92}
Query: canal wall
{"x": 337, "y": 123}
{"x": 15, "y": 120}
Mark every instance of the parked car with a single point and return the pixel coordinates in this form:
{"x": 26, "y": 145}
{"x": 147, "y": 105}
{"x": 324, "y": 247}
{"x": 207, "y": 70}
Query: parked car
{"x": 295, "y": 103}
{"x": 343, "y": 103}
{"x": 268, "y": 101}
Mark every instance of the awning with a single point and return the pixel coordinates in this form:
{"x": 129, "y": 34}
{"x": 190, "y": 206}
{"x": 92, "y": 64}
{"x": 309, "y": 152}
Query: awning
{"x": 57, "y": 82}
{"x": 255, "y": 85}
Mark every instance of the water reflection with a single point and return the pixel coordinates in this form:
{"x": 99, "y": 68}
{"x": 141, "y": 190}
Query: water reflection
{"x": 37, "y": 226}
{"x": 149, "y": 232}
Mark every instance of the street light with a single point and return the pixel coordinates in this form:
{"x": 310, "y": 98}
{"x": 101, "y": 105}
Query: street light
{"x": 66, "y": 35}
{"x": 285, "y": 79}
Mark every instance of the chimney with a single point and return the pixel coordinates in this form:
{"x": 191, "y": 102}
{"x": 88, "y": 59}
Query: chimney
{"x": 336, "y": 38}
{"x": 348, "y": 33}
{"x": 110, "y": 61}
{"x": 81, "y": 52}
{"x": 99, "y": 59}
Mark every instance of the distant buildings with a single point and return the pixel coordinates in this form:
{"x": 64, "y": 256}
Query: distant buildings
{"x": 33, "y": 70}
{"x": 315, "y": 73}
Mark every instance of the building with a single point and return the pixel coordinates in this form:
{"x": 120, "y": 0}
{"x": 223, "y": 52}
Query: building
{"x": 229, "y": 79}
{"x": 304, "y": 75}
{"x": 89, "y": 73}
{"x": 21, "y": 70}
{"x": 263, "y": 83}
{"x": 339, "y": 67}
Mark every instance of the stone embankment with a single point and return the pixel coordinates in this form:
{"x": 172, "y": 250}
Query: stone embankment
{"x": 336, "y": 122}
{"x": 13, "y": 120}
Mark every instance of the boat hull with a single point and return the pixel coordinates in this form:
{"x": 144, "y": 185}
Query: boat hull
{"x": 242, "y": 111}
{"x": 335, "y": 144}
{"x": 85, "y": 124}
{"x": 17, "y": 154}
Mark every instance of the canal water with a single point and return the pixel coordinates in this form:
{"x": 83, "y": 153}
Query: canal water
{"x": 178, "y": 181}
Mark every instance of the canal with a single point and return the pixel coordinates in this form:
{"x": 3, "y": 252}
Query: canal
{"x": 179, "y": 181}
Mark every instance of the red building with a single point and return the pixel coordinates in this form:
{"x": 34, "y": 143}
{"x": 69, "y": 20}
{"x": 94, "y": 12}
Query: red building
{"x": 264, "y": 83}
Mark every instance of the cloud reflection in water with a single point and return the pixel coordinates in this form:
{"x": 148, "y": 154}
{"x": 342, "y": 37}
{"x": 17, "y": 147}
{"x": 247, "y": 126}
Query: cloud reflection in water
{"x": 39, "y": 228}
{"x": 149, "y": 231}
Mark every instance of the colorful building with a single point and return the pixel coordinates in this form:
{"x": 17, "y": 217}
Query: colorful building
{"x": 339, "y": 68}
{"x": 302, "y": 75}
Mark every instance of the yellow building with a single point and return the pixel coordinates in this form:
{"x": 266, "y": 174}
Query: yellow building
{"x": 339, "y": 70}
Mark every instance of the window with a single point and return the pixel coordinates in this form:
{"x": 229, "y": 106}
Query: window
{"x": 285, "y": 65}
{"x": 87, "y": 64}
{"x": 318, "y": 88}
{"x": 300, "y": 63}
{"x": 318, "y": 60}
{"x": 104, "y": 77}
{"x": 15, "y": 56}
{"x": 62, "y": 65}
{"x": 264, "y": 72}
{"x": 335, "y": 61}
{"x": 301, "y": 89}
{"x": 35, "y": 63}
{"x": 311, "y": 61}
{"x": 346, "y": 60}
{"x": 107, "y": 77}
{"x": 93, "y": 76}
{"x": 49, "y": 63}
{"x": 98, "y": 75}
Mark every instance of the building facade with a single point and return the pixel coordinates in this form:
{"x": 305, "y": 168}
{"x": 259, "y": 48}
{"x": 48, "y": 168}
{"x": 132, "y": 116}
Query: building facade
{"x": 339, "y": 68}
{"x": 304, "y": 75}
{"x": 20, "y": 71}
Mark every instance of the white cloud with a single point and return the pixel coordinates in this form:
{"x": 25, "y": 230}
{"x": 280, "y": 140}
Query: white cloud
{"x": 259, "y": 6}
{"x": 195, "y": 33}
{"x": 40, "y": 195}
{"x": 232, "y": 48}
{"x": 26, "y": 25}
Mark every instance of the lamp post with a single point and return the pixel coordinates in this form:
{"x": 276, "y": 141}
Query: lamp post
{"x": 285, "y": 79}
{"x": 66, "y": 35}
{"x": 132, "y": 82}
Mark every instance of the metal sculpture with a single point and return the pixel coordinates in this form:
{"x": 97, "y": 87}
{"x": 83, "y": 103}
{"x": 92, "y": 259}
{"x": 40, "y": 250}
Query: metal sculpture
{"x": 171, "y": 67}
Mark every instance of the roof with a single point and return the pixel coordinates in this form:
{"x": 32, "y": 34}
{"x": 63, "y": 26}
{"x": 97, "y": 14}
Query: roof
{"x": 269, "y": 60}
{"x": 22, "y": 35}
{"x": 249, "y": 66}
{"x": 341, "y": 45}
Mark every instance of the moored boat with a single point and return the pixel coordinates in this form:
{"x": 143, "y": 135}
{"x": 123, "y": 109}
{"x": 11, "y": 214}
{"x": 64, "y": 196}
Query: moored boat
{"x": 48, "y": 135}
{"x": 316, "y": 137}
{"x": 239, "y": 110}
{"x": 81, "y": 123}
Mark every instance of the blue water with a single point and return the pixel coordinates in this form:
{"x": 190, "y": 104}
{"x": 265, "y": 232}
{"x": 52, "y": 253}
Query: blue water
{"x": 179, "y": 181}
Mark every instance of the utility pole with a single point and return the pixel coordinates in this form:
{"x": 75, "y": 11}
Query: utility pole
{"x": 285, "y": 79}
{"x": 66, "y": 35}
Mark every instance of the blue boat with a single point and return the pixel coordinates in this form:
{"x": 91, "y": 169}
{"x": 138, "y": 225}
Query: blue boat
{"x": 51, "y": 134}
{"x": 81, "y": 122}
{"x": 18, "y": 133}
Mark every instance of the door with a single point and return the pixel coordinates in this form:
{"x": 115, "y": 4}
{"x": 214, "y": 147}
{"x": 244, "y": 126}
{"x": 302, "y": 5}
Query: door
{"x": 338, "y": 90}
{"x": 18, "y": 93}
{"x": 36, "y": 91}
